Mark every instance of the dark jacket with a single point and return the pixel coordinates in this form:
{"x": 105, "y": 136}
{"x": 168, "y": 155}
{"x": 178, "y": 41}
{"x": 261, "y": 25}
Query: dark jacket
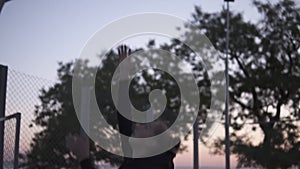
{"x": 161, "y": 161}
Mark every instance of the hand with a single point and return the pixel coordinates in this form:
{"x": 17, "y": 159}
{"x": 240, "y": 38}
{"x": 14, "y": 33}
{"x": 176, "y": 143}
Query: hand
{"x": 124, "y": 51}
{"x": 78, "y": 145}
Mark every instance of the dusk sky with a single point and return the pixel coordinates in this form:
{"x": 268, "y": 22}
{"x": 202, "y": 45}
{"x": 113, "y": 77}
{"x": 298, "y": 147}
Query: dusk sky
{"x": 36, "y": 34}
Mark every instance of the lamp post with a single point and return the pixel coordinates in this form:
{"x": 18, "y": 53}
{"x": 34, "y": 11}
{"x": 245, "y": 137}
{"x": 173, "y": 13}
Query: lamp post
{"x": 196, "y": 143}
{"x": 2, "y": 2}
{"x": 227, "y": 140}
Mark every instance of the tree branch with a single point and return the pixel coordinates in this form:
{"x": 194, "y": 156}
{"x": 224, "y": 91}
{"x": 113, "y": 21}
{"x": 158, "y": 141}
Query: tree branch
{"x": 241, "y": 65}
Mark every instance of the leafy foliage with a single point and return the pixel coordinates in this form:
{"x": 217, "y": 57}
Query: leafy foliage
{"x": 264, "y": 82}
{"x": 264, "y": 90}
{"x": 57, "y": 116}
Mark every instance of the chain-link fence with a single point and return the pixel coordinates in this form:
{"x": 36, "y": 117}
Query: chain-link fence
{"x": 23, "y": 93}
{"x": 22, "y": 96}
{"x": 8, "y": 153}
{"x": 11, "y": 140}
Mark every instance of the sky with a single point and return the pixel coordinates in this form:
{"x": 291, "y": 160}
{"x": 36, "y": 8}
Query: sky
{"x": 36, "y": 34}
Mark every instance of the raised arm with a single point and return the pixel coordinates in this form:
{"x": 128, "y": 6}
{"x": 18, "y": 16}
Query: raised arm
{"x": 125, "y": 125}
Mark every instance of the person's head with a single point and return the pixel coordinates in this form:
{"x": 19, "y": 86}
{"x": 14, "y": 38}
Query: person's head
{"x": 149, "y": 129}
{"x": 147, "y": 144}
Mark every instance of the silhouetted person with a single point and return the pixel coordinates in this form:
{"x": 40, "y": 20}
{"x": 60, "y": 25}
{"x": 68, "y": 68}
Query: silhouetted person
{"x": 126, "y": 127}
{"x": 79, "y": 145}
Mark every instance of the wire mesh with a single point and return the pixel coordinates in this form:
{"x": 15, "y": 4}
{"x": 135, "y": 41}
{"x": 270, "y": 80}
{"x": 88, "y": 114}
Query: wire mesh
{"x": 22, "y": 96}
{"x": 11, "y": 126}
{"x": 23, "y": 92}
{"x": 9, "y": 143}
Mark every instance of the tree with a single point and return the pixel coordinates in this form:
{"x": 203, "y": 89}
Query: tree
{"x": 56, "y": 114}
{"x": 264, "y": 82}
{"x": 264, "y": 89}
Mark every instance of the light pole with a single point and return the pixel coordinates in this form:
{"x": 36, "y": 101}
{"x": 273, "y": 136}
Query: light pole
{"x": 2, "y": 2}
{"x": 196, "y": 144}
{"x": 227, "y": 140}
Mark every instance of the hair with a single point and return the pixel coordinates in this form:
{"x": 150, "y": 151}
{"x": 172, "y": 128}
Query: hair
{"x": 149, "y": 129}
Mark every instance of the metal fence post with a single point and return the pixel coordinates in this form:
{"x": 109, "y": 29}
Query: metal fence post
{"x": 17, "y": 140}
{"x": 3, "y": 82}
